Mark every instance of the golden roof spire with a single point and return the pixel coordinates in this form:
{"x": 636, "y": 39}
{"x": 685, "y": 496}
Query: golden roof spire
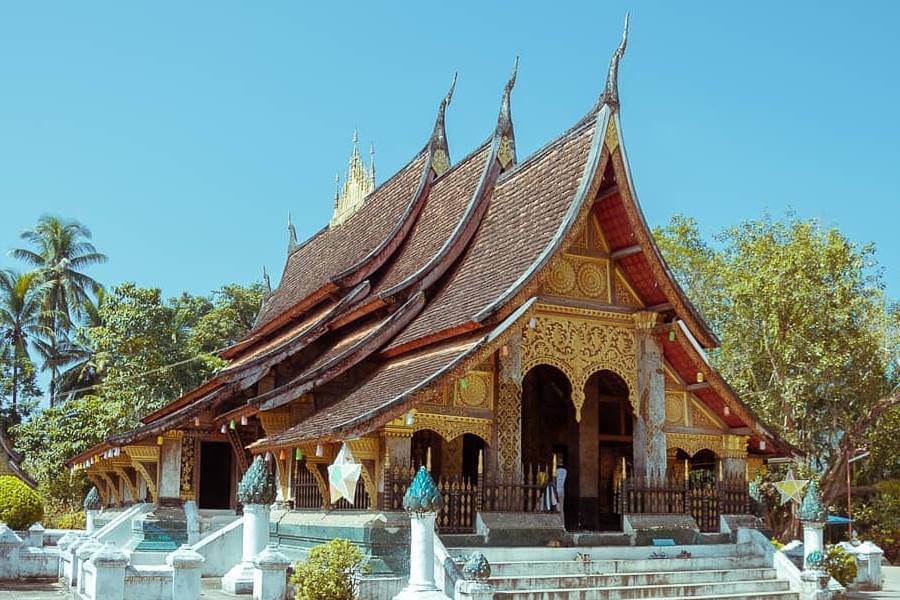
{"x": 359, "y": 183}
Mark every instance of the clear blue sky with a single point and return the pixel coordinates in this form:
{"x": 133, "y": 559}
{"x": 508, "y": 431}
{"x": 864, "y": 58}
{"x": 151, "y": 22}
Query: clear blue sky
{"x": 183, "y": 133}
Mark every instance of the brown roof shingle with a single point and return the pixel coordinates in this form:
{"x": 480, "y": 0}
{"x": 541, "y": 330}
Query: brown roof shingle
{"x": 334, "y": 249}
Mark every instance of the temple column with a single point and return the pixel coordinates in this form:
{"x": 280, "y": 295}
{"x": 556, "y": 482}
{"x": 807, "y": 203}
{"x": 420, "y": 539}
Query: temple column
{"x": 397, "y": 437}
{"x": 170, "y": 467}
{"x": 649, "y": 442}
{"x": 734, "y": 456}
{"x": 274, "y": 422}
{"x": 589, "y": 463}
{"x": 507, "y": 428}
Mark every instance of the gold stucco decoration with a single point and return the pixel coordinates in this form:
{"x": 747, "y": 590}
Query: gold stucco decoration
{"x": 561, "y": 278}
{"x": 734, "y": 446}
{"x": 508, "y": 419}
{"x": 700, "y": 419}
{"x": 440, "y": 162}
{"x": 692, "y": 443}
{"x": 474, "y": 390}
{"x": 674, "y": 408}
{"x": 577, "y": 276}
{"x": 579, "y": 348}
{"x": 591, "y": 280}
{"x": 505, "y": 152}
{"x": 450, "y": 427}
{"x": 187, "y": 469}
{"x": 612, "y": 136}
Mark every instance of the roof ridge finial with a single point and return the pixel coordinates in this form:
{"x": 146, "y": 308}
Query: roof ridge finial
{"x": 372, "y": 160}
{"x": 292, "y": 234}
{"x": 611, "y": 92}
{"x": 437, "y": 144}
{"x": 507, "y": 90}
{"x": 266, "y": 280}
{"x": 507, "y": 151}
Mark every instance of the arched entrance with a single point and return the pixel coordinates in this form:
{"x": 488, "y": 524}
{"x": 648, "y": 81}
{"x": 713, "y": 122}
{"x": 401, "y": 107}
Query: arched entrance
{"x": 549, "y": 429}
{"x": 458, "y": 457}
{"x": 615, "y": 424}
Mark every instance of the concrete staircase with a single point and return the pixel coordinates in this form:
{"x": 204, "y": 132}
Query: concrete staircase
{"x": 715, "y": 571}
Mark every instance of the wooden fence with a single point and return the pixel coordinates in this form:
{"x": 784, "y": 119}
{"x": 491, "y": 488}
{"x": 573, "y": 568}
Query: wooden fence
{"x": 704, "y": 501}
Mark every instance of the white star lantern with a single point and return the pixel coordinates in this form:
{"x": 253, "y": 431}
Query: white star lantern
{"x": 343, "y": 474}
{"x": 790, "y": 488}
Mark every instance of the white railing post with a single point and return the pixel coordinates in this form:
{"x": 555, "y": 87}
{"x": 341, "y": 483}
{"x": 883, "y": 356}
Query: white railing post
{"x": 270, "y": 574}
{"x": 10, "y": 543}
{"x": 187, "y": 566}
{"x": 109, "y": 573}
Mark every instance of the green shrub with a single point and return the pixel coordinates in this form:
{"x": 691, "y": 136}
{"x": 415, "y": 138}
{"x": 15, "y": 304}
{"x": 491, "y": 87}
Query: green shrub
{"x": 329, "y": 571}
{"x": 20, "y": 506}
{"x": 840, "y": 564}
{"x": 75, "y": 519}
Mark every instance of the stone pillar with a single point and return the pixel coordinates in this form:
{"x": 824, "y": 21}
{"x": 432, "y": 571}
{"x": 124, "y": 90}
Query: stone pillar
{"x": 589, "y": 464}
{"x": 82, "y": 555}
{"x": 169, "y": 487}
{"x": 649, "y": 441}
{"x": 109, "y": 573}
{"x": 70, "y": 565}
{"x": 813, "y": 536}
{"x": 92, "y": 506}
{"x": 422, "y": 501}
{"x": 36, "y": 536}
{"x": 186, "y": 570}
{"x": 871, "y": 555}
{"x": 62, "y": 545}
{"x": 10, "y": 543}
{"x": 256, "y": 492}
{"x": 508, "y": 412}
{"x": 270, "y": 574}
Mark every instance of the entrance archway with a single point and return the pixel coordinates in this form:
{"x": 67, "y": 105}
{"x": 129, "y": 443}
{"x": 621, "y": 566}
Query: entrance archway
{"x": 607, "y": 394}
{"x": 549, "y": 429}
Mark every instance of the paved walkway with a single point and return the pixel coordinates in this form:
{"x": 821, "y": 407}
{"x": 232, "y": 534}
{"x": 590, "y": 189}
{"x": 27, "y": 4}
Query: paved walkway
{"x": 50, "y": 590}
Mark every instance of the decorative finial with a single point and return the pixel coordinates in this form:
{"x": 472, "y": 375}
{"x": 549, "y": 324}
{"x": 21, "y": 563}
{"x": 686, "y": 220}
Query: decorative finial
{"x": 337, "y": 185}
{"x": 292, "y": 234}
{"x": 811, "y": 508}
{"x": 258, "y": 484}
{"x": 372, "y": 160}
{"x": 438, "y": 143}
{"x": 422, "y": 495}
{"x": 507, "y": 151}
{"x": 449, "y": 97}
{"x": 266, "y": 279}
{"x": 358, "y": 184}
{"x": 355, "y": 136}
{"x": 611, "y": 93}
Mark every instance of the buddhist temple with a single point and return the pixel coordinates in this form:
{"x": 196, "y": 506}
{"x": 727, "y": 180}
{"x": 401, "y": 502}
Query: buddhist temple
{"x": 494, "y": 317}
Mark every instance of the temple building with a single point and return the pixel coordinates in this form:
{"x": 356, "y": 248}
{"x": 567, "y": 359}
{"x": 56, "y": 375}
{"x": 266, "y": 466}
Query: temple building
{"x": 495, "y": 318}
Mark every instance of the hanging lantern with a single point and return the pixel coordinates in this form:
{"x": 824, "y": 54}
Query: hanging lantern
{"x": 282, "y": 455}
{"x": 231, "y": 424}
{"x": 298, "y": 454}
{"x": 699, "y": 377}
{"x": 762, "y": 444}
{"x": 727, "y": 411}
{"x": 243, "y": 420}
{"x": 409, "y": 418}
{"x": 196, "y": 421}
{"x": 671, "y": 335}
{"x": 268, "y": 457}
{"x": 223, "y": 429}
{"x": 159, "y": 440}
{"x": 320, "y": 451}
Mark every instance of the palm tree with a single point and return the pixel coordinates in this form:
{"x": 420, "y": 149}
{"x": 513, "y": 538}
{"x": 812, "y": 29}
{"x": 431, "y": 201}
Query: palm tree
{"x": 60, "y": 251}
{"x": 21, "y": 305}
{"x": 81, "y": 368}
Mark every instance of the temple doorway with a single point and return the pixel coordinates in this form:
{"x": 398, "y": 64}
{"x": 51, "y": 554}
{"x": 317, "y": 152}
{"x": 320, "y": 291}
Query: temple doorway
{"x": 549, "y": 429}
{"x": 459, "y": 457}
{"x": 615, "y": 426}
{"x": 215, "y": 475}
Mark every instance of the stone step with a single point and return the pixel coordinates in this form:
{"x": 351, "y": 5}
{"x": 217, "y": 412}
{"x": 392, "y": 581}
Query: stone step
{"x": 737, "y": 589}
{"x": 557, "y": 581}
{"x": 498, "y": 554}
{"x": 760, "y": 596}
{"x": 606, "y": 567}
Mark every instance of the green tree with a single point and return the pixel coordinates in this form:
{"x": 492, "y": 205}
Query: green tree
{"x": 80, "y": 368}
{"x": 809, "y": 339}
{"x": 21, "y": 298}
{"x": 60, "y": 250}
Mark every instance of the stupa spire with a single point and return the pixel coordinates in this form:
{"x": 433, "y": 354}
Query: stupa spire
{"x": 358, "y": 184}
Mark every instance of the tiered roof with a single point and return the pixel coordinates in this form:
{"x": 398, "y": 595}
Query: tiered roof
{"x": 432, "y": 272}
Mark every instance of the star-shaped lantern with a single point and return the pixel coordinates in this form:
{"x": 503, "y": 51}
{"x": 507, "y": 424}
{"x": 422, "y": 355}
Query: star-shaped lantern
{"x": 790, "y": 488}
{"x": 343, "y": 474}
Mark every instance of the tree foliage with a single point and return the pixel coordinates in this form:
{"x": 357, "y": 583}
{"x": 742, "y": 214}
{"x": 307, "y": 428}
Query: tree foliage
{"x": 809, "y": 339}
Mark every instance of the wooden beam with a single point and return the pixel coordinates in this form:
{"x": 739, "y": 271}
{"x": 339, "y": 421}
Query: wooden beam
{"x": 693, "y": 387}
{"x": 626, "y": 251}
{"x": 663, "y": 307}
{"x": 587, "y": 304}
